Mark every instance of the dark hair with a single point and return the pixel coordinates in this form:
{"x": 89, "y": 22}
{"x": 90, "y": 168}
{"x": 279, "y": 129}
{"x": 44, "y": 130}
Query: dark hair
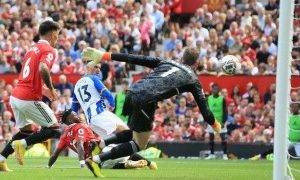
{"x": 215, "y": 85}
{"x": 65, "y": 115}
{"x": 190, "y": 56}
{"x": 48, "y": 26}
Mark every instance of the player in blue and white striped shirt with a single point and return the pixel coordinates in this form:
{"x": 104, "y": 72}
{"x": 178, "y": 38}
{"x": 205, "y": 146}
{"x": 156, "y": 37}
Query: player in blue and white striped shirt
{"x": 90, "y": 93}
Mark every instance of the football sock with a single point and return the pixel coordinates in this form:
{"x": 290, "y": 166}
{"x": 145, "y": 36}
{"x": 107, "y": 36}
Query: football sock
{"x": 224, "y": 146}
{"x": 119, "y": 165}
{"x": 137, "y": 157}
{"x": 121, "y": 150}
{"x": 41, "y": 136}
{"x": 211, "y": 143}
{"x": 8, "y": 148}
{"x": 120, "y": 137}
{"x": 224, "y": 142}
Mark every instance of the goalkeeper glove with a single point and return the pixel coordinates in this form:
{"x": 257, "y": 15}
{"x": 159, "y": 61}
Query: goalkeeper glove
{"x": 94, "y": 56}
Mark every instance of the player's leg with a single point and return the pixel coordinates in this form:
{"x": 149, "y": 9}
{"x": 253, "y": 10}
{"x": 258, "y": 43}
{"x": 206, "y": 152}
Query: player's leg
{"x": 8, "y": 150}
{"x": 110, "y": 128}
{"x": 151, "y": 164}
{"x": 116, "y": 138}
{"x": 41, "y": 114}
{"x": 224, "y": 145}
{"x": 25, "y": 130}
{"x": 211, "y": 146}
{"x": 141, "y": 132}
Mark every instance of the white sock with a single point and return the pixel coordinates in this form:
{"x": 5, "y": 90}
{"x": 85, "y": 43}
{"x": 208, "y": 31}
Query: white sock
{"x": 96, "y": 159}
{"x": 2, "y": 158}
{"x": 102, "y": 144}
{"x": 24, "y": 143}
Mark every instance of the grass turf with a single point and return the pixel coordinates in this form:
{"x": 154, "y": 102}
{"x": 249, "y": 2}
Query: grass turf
{"x": 68, "y": 168}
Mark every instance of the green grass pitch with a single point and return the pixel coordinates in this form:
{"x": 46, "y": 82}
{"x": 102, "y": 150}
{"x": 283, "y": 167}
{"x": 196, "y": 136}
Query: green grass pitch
{"x": 68, "y": 168}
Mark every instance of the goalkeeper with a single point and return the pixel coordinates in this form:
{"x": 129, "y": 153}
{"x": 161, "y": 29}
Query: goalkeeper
{"x": 167, "y": 79}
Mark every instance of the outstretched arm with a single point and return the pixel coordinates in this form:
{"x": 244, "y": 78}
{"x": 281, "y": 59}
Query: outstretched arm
{"x": 96, "y": 56}
{"x": 80, "y": 151}
{"x": 147, "y": 61}
{"x": 54, "y": 157}
{"x": 197, "y": 91}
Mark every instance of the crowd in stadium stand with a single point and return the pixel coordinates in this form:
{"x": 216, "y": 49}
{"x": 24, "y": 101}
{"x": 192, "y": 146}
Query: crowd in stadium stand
{"x": 248, "y": 30}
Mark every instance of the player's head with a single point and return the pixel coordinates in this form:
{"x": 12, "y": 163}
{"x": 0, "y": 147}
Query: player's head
{"x": 95, "y": 70}
{"x": 294, "y": 108}
{"x": 215, "y": 89}
{"x": 70, "y": 117}
{"x": 49, "y": 30}
{"x": 190, "y": 56}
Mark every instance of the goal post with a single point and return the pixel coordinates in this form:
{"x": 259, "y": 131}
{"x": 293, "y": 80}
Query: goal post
{"x": 283, "y": 75}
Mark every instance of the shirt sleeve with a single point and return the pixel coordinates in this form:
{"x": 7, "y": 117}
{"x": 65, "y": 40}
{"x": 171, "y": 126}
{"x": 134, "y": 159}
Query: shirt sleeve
{"x": 47, "y": 57}
{"x": 147, "y": 61}
{"x": 75, "y": 104}
{"x": 103, "y": 91}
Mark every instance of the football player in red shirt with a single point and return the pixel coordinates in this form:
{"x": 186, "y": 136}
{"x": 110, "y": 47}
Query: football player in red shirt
{"x": 26, "y": 98}
{"x": 77, "y": 137}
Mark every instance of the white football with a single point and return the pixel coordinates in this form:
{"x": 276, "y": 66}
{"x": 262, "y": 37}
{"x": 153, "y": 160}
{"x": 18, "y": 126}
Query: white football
{"x": 230, "y": 64}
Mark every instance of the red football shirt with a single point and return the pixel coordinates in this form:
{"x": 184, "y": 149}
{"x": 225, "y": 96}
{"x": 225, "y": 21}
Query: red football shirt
{"x": 74, "y": 133}
{"x": 30, "y": 82}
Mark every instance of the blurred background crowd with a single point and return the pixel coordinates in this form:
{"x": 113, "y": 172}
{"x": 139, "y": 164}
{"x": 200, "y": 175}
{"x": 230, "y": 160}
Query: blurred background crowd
{"x": 245, "y": 28}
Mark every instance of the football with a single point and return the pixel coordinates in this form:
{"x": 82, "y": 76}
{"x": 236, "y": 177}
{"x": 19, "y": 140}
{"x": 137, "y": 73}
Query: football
{"x": 230, "y": 64}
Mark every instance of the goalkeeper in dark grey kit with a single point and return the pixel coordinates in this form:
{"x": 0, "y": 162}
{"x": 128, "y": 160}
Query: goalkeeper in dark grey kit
{"x": 167, "y": 79}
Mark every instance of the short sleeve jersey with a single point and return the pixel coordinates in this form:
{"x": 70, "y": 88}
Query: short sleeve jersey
{"x": 30, "y": 82}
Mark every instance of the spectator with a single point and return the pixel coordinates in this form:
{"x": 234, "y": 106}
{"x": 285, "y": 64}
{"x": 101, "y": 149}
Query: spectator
{"x": 171, "y": 43}
{"x": 63, "y": 84}
{"x": 181, "y": 109}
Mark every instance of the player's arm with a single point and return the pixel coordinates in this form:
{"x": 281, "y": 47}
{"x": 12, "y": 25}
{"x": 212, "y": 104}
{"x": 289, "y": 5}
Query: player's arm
{"x": 75, "y": 104}
{"x": 97, "y": 56}
{"x": 79, "y": 145}
{"x": 45, "y": 74}
{"x": 80, "y": 151}
{"x": 103, "y": 91}
{"x": 45, "y": 61}
{"x": 54, "y": 156}
{"x": 61, "y": 146}
{"x": 197, "y": 91}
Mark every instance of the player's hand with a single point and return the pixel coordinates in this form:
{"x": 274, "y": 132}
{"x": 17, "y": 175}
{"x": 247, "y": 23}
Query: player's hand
{"x": 92, "y": 55}
{"x": 53, "y": 95}
{"x": 50, "y": 94}
{"x": 82, "y": 164}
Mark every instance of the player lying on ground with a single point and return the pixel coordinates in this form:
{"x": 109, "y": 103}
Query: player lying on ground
{"x": 79, "y": 137}
{"x": 167, "y": 79}
{"x": 26, "y": 99}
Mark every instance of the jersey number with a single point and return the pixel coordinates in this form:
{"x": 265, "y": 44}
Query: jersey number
{"x": 83, "y": 91}
{"x": 26, "y": 69}
{"x": 170, "y": 71}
